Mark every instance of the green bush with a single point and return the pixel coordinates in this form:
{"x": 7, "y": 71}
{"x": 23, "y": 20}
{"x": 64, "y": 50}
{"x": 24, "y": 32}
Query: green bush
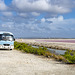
{"x": 70, "y": 56}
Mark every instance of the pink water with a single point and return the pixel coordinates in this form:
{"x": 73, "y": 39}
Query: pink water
{"x": 56, "y": 40}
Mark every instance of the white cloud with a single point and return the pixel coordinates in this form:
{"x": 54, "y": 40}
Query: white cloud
{"x": 62, "y": 24}
{"x": 43, "y": 20}
{"x": 60, "y": 18}
{"x": 39, "y": 6}
{"x": 35, "y": 14}
{"x": 45, "y": 25}
{"x": 22, "y": 14}
{"x": 3, "y": 7}
{"x": 7, "y": 13}
{"x": 54, "y": 19}
{"x": 8, "y": 25}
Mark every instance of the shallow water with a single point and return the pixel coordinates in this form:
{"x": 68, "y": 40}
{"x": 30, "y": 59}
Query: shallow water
{"x": 35, "y": 46}
{"x": 58, "y": 52}
{"x": 55, "y": 51}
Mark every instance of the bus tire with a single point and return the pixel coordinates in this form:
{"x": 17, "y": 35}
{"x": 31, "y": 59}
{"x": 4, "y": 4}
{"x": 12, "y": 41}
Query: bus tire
{"x": 10, "y": 49}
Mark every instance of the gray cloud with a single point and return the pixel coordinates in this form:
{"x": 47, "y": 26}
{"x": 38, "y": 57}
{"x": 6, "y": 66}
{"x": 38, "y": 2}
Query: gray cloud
{"x": 41, "y": 6}
{"x": 7, "y": 13}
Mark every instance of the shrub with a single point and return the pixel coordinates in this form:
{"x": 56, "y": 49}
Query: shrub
{"x": 70, "y": 56}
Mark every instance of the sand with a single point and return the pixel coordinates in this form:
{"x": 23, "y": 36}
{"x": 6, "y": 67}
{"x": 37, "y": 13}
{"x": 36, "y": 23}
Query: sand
{"x": 17, "y": 63}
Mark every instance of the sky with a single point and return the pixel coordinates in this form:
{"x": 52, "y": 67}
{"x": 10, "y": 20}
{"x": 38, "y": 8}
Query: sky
{"x": 38, "y": 18}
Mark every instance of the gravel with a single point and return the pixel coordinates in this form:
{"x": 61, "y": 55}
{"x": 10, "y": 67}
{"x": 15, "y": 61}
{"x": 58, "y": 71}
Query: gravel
{"x": 17, "y": 63}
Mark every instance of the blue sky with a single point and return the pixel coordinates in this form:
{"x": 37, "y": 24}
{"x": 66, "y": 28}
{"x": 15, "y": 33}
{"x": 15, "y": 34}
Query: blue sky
{"x": 38, "y": 18}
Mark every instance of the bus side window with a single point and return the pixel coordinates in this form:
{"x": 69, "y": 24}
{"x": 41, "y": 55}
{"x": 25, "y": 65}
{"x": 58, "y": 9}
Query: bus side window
{"x": 3, "y": 37}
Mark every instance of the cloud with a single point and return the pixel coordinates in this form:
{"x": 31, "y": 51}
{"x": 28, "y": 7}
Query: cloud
{"x": 3, "y": 7}
{"x": 59, "y": 18}
{"x": 56, "y": 26}
{"x": 22, "y": 14}
{"x": 7, "y": 13}
{"x": 8, "y": 25}
{"x": 35, "y": 14}
{"x": 64, "y": 3}
{"x": 39, "y": 6}
{"x": 43, "y": 20}
{"x": 61, "y": 24}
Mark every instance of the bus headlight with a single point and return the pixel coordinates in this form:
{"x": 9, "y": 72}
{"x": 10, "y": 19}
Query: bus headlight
{"x": 1, "y": 46}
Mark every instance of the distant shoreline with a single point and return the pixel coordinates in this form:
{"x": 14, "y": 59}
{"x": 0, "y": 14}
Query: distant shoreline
{"x": 42, "y": 38}
{"x": 53, "y": 45}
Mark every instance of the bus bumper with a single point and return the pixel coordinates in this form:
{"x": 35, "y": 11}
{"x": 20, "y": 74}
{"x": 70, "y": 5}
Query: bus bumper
{"x": 6, "y": 47}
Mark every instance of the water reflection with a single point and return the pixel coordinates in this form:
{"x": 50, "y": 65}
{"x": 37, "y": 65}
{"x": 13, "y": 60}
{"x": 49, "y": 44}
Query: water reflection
{"x": 55, "y": 51}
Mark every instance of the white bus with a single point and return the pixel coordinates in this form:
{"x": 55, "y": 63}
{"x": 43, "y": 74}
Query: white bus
{"x": 6, "y": 40}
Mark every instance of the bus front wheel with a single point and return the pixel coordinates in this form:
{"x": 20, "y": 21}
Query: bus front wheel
{"x": 10, "y": 49}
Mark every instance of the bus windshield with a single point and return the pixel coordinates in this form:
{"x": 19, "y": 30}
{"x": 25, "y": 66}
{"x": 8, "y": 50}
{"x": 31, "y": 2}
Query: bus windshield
{"x": 6, "y": 37}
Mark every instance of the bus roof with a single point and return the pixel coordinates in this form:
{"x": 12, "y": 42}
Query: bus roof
{"x": 3, "y": 32}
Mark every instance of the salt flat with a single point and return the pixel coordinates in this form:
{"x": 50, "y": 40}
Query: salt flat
{"x": 54, "y": 43}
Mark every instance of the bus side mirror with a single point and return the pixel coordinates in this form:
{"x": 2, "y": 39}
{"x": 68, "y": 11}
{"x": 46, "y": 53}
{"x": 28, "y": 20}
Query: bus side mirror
{"x": 14, "y": 39}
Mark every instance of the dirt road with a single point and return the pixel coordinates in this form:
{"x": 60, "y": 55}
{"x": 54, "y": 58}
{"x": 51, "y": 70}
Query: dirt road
{"x": 17, "y": 63}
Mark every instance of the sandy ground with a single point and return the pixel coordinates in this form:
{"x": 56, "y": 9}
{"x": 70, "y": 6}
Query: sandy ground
{"x": 17, "y": 63}
{"x": 59, "y": 45}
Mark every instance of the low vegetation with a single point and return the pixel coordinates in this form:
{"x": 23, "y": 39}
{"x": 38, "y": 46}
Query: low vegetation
{"x": 68, "y": 57}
